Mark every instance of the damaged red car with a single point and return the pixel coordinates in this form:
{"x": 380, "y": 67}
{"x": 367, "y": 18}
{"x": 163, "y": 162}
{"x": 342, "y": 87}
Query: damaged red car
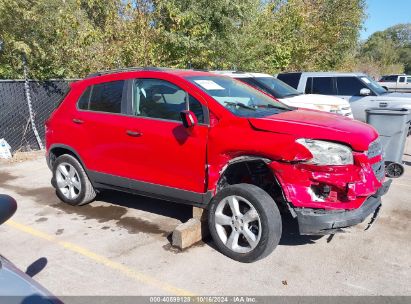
{"x": 213, "y": 142}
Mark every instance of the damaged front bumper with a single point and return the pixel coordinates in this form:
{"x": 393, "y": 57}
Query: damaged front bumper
{"x": 322, "y": 221}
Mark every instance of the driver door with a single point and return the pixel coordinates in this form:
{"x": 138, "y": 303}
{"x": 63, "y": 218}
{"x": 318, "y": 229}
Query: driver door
{"x": 162, "y": 152}
{"x": 349, "y": 89}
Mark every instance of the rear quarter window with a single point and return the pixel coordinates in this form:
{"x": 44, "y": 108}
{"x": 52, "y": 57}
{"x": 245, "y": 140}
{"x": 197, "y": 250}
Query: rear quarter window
{"x": 292, "y": 79}
{"x": 84, "y": 99}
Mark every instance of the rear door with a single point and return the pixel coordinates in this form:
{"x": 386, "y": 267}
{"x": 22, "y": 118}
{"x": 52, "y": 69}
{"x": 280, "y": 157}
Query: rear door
{"x": 100, "y": 123}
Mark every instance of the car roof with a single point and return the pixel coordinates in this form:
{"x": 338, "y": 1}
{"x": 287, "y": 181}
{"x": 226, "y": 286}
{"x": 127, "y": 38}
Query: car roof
{"x": 329, "y": 74}
{"x": 238, "y": 74}
{"x": 179, "y": 72}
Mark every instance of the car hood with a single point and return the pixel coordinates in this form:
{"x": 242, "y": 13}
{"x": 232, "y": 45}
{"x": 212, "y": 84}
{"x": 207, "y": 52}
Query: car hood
{"x": 315, "y": 99}
{"x": 400, "y": 95}
{"x": 404, "y": 98}
{"x": 312, "y": 124}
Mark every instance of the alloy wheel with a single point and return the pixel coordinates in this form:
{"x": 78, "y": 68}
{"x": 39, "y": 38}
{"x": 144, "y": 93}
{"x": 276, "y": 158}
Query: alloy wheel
{"x": 238, "y": 224}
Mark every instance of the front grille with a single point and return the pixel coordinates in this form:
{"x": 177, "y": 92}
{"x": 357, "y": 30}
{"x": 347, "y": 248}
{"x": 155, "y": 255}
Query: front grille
{"x": 374, "y": 150}
{"x": 379, "y": 170}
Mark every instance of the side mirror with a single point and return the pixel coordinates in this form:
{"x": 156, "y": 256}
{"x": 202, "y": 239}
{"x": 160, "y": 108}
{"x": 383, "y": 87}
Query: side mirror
{"x": 8, "y": 206}
{"x": 189, "y": 119}
{"x": 365, "y": 92}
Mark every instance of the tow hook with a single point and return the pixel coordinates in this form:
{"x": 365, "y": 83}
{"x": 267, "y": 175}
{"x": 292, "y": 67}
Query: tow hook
{"x": 374, "y": 217}
{"x": 394, "y": 170}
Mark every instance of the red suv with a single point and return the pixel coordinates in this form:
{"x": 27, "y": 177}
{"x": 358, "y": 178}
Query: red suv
{"x": 213, "y": 142}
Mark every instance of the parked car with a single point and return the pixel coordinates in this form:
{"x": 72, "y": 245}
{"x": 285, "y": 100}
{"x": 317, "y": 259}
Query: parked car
{"x": 15, "y": 285}
{"x": 359, "y": 89}
{"x": 291, "y": 96}
{"x": 396, "y": 83}
{"x": 214, "y": 142}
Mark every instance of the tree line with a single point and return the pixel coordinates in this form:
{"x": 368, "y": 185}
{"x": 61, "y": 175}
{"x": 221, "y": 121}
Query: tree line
{"x": 71, "y": 38}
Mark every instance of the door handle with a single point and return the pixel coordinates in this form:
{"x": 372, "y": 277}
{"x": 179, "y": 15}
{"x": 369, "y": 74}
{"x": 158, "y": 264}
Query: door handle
{"x": 383, "y": 104}
{"x": 78, "y": 121}
{"x": 133, "y": 133}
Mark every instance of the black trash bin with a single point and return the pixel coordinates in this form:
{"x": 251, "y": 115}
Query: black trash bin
{"x": 393, "y": 126}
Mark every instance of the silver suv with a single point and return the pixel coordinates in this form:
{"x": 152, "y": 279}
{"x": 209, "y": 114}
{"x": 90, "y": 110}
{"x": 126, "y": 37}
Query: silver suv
{"x": 359, "y": 89}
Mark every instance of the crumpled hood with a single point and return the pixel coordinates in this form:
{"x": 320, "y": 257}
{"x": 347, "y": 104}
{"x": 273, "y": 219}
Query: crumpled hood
{"x": 318, "y": 125}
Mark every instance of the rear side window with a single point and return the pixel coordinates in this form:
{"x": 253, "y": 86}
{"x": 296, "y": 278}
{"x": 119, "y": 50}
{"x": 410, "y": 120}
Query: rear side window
{"x": 84, "y": 99}
{"x": 292, "y": 79}
{"x": 322, "y": 85}
{"x": 350, "y": 86}
{"x": 106, "y": 97}
{"x": 103, "y": 97}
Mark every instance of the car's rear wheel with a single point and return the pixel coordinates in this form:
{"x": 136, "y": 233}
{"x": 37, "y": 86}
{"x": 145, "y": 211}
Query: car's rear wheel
{"x": 71, "y": 181}
{"x": 245, "y": 222}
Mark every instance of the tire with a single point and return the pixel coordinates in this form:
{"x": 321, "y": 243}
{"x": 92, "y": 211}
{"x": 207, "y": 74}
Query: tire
{"x": 266, "y": 230}
{"x": 68, "y": 172}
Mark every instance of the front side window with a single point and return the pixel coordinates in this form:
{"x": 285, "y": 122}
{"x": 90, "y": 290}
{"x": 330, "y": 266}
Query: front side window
{"x": 402, "y": 79}
{"x": 161, "y": 99}
{"x": 349, "y": 86}
{"x": 322, "y": 85}
{"x": 103, "y": 97}
{"x": 373, "y": 85}
{"x": 409, "y": 79}
{"x": 238, "y": 97}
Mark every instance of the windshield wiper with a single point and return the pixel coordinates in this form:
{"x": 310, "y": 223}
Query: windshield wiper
{"x": 239, "y": 104}
{"x": 269, "y": 105}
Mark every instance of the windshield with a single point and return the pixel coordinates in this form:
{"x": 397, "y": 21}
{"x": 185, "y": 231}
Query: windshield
{"x": 239, "y": 98}
{"x": 279, "y": 89}
{"x": 373, "y": 85}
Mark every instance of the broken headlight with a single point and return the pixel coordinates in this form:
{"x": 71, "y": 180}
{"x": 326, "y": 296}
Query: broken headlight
{"x": 327, "y": 153}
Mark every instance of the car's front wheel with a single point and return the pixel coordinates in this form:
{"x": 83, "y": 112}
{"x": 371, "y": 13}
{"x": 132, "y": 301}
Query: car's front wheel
{"x": 71, "y": 181}
{"x": 245, "y": 222}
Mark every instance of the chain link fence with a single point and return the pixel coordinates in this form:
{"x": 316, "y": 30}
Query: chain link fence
{"x": 15, "y": 125}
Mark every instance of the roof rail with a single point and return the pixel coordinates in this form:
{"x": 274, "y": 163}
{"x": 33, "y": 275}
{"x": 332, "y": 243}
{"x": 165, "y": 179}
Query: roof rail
{"x": 130, "y": 69}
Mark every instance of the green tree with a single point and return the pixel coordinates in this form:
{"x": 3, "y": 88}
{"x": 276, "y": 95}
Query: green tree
{"x": 389, "y": 49}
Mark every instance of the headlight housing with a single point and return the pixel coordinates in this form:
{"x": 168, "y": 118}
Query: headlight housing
{"x": 327, "y": 153}
{"x": 336, "y": 109}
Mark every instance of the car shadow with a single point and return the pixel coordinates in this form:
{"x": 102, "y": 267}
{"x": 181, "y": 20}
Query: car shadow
{"x": 177, "y": 211}
{"x": 291, "y": 235}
